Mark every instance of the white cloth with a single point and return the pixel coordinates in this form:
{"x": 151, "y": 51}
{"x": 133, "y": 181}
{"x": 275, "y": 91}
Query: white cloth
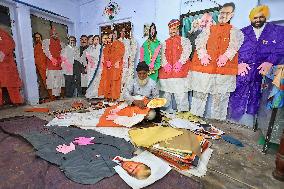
{"x": 211, "y": 83}
{"x": 84, "y": 80}
{"x": 92, "y": 91}
{"x": 71, "y": 54}
{"x": 181, "y": 100}
{"x": 174, "y": 85}
{"x": 54, "y": 81}
{"x": 183, "y": 124}
{"x": 258, "y": 31}
{"x": 150, "y": 90}
{"x": 201, "y": 168}
{"x": 88, "y": 119}
{"x": 218, "y": 108}
{"x": 159, "y": 169}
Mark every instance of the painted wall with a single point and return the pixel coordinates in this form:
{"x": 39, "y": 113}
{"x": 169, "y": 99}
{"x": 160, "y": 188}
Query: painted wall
{"x": 275, "y": 7}
{"x": 136, "y": 11}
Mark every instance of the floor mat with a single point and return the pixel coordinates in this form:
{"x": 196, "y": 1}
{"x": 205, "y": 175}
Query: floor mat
{"x": 20, "y": 168}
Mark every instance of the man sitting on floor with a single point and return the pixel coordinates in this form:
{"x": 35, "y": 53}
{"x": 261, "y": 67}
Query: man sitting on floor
{"x": 137, "y": 94}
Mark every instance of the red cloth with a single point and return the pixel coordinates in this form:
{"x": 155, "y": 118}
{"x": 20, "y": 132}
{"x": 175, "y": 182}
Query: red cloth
{"x": 55, "y": 50}
{"x": 217, "y": 45}
{"x": 173, "y": 53}
{"x": 9, "y": 76}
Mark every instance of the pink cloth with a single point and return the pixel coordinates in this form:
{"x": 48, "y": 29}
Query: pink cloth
{"x": 67, "y": 65}
{"x": 205, "y": 60}
{"x": 108, "y": 64}
{"x": 264, "y": 67}
{"x": 141, "y": 54}
{"x": 177, "y": 66}
{"x": 157, "y": 50}
{"x": 90, "y": 61}
{"x": 83, "y": 141}
{"x": 168, "y": 68}
{"x": 65, "y": 149}
{"x": 222, "y": 60}
{"x": 243, "y": 69}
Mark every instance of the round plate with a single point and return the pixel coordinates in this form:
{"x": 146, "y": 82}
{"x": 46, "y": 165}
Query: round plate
{"x": 157, "y": 103}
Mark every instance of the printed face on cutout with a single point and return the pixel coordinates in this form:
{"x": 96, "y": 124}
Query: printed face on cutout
{"x": 136, "y": 169}
{"x": 226, "y": 13}
{"x": 258, "y": 20}
{"x": 174, "y": 30}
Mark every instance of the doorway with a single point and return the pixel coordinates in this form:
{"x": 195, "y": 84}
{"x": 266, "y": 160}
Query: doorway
{"x": 42, "y": 26}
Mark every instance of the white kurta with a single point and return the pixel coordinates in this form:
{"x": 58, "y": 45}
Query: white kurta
{"x": 94, "y": 53}
{"x": 178, "y": 87}
{"x": 70, "y": 54}
{"x": 218, "y": 85}
{"x": 54, "y": 78}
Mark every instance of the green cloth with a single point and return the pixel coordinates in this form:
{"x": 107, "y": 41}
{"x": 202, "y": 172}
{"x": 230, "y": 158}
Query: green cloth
{"x": 149, "y": 50}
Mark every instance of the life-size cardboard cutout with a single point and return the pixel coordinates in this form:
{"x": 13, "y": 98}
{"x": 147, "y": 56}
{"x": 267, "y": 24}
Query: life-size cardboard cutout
{"x": 52, "y": 49}
{"x": 175, "y": 65}
{"x": 69, "y": 54}
{"x": 110, "y": 84}
{"x": 9, "y": 76}
{"x": 215, "y": 65}
{"x": 150, "y": 52}
{"x": 262, "y": 48}
{"x": 94, "y": 67}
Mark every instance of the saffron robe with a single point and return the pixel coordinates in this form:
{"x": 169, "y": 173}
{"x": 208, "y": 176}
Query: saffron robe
{"x": 110, "y": 84}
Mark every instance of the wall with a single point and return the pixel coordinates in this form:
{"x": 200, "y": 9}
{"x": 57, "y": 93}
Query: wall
{"x": 136, "y": 11}
{"x": 275, "y": 6}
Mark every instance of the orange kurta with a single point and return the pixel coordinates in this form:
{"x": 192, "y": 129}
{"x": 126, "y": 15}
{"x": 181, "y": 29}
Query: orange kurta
{"x": 40, "y": 61}
{"x": 173, "y": 54}
{"x": 9, "y": 76}
{"x": 217, "y": 45}
{"x": 110, "y": 84}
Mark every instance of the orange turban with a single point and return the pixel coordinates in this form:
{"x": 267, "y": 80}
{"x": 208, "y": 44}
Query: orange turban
{"x": 262, "y": 8}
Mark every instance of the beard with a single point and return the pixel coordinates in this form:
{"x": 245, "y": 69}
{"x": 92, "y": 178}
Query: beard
{"x": 258, "y": 24}
{"x": 143, "y": 82}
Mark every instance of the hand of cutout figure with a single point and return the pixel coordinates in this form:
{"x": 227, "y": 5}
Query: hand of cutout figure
{"x": 83, "y": 141}
{"x": 222, "y": 60}
{"x": 2, "y": 56}
{"x": 54, "y": 61}
{"x": 205, "y": 60}
{"x": 243, "y": 69}
{"x": 264, "y": 67}
{"x": 111, "y": 117}
{"x": 108, "y": 64}
{"x": 116, "y": 65}
{"x": 177, "y": 66}
{"x": 65, "y": 149}
{"x": 168, "y": 68}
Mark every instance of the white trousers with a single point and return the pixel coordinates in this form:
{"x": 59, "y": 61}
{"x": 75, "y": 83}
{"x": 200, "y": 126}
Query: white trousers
{"x": 54, "y": 81}
{"x": 180, "y": 98}
{"x": 218, "y": 109}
